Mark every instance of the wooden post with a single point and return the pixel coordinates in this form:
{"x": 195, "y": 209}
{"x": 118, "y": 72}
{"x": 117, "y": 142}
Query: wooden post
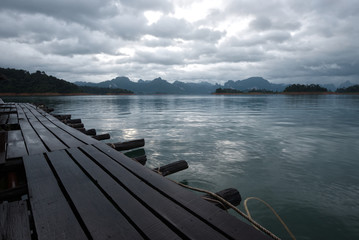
{"x": 172, "y": 168}
{"x": 91, "y": 132}
{"x": 230, "y": 194}
{"x": 141, "y": 159}
{"x": 102, "y": 136}
{"x": 62, "y": 117}
{"x": 72, "y": 121}
{"x": 121, "y": 146}
{"x": 135, "y": 153}
{"x": 76, "y": 125}
{"x": 83, "y": 130}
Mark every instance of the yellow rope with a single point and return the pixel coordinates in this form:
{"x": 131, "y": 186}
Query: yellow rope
{"x": 274, "y": 212}
{"x": 257, "y": 225}
{"x": 215, "y": 201}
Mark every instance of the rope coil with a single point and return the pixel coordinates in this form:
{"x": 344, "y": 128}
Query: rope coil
{"x": 273, "y": 211}
{"x": 247, "y": 217}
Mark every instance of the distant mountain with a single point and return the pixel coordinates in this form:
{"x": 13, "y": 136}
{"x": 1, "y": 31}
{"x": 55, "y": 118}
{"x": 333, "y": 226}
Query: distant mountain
{"x": 196, "y": 88}
{"x": 21, "y": 81}
{"x": 155, "y": 86}
{"x": 161, "y": 86}
{"x": 330, "y": 87}
{"x": 346, "y": 84}
{"x": 254, "y": 83}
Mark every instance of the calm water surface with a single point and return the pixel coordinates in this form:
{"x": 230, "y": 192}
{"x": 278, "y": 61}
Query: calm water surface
{"x": 298, "y": 153}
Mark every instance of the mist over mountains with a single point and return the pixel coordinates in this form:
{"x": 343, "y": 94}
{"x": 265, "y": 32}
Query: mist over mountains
{"x": 22, "y": 81}
{"x": 161, "y": 86}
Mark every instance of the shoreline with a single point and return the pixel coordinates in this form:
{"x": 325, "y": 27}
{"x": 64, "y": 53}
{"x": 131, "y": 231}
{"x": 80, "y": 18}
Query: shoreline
{"x": 125, "y": 94}
{"x": 60, "y": 94}
{"x": 289, "y": 93}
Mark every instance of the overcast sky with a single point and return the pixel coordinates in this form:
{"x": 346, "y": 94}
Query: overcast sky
{"x": 284, "y": 41}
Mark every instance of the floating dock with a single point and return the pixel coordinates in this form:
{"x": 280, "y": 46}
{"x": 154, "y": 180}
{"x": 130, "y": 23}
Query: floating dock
{"x": 58, "y": 183}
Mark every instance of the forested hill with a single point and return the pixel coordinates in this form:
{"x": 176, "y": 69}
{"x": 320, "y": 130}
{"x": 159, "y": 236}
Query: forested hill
{"x": 21, "y": 81}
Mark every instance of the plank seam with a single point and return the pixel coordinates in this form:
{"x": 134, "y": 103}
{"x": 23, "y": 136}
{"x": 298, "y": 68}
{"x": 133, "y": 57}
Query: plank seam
{"x": 68, "y": 198}
{"x": 154, "y": 212}
{"x": 108, "y": 197}
{"x": 49, "y": 129}
{"x": 27, "y": 119}
{"x": 169, "y": 197}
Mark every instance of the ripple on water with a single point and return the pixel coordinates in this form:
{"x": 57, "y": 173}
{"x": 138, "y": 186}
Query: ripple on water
{"x": 300, "y": 153}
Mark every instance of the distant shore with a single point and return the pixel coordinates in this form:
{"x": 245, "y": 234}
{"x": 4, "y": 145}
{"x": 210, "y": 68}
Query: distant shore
{"x": 248, "y": 93}
{"x": 60, "y": 94}
{"x": 288, "y": 93}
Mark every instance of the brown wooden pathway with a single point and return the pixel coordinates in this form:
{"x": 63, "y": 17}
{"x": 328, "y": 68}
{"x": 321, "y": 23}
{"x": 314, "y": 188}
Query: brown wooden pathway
{"x": 79, "y": 188}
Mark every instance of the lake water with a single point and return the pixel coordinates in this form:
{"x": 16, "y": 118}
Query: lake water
{"x": 298, "y": 153}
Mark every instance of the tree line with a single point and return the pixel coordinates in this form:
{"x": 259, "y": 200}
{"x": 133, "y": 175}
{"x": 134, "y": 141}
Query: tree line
{"x": 21, "y": 81}
{"x": 311, "y": 88}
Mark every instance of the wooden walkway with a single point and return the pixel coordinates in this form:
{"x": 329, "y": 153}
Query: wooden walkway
{"x": 79, "y": 188}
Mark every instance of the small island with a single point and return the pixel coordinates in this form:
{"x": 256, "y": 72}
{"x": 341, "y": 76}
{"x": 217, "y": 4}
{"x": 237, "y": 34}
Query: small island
{"x": 351, "y": 89}
{"x": 301, "y": 88}
{"x": 292, "y": 89}
{"x": 227, "y": 91}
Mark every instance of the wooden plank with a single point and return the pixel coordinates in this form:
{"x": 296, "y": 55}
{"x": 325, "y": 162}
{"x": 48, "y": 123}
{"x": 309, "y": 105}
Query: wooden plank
{"x": 27, "y": 112}
{"x": 152, "y": 227}
{"x": 15, "y": 145}
{"x": 14, "y": 221}
{"x": 64, "y": 136}
{"x": 32, "y": 141}
{"x": 5, "y": 109}
{"x": 16, "y": 149}
{"x": 101, "y": 218}
{"x": 13, "y": 119}
{"x": 73, "y": 132}
{"x": 53, "y": 216}
{"x": 49, "y": 139}
{"x": 217, "y": 218}
{"x": 14, "y": 136}
{"x": 175, "y": 215}
{"x": 20, "y": 112}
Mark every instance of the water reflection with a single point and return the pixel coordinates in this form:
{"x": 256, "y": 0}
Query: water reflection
{"x": 299, "y": 153}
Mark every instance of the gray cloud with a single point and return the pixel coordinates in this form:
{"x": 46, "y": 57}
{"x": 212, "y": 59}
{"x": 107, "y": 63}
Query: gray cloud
{"x": 170, "y": 27}
{"x": 261, "y": 23}
{"x": 160, "y": 56}
{"x": 159, "y": 42}
{"x": 95, "y": 40}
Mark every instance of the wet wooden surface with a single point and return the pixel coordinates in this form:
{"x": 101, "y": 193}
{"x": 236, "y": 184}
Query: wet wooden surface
{"x": 14, "y": 221}
{"x": 80, "y": 188}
